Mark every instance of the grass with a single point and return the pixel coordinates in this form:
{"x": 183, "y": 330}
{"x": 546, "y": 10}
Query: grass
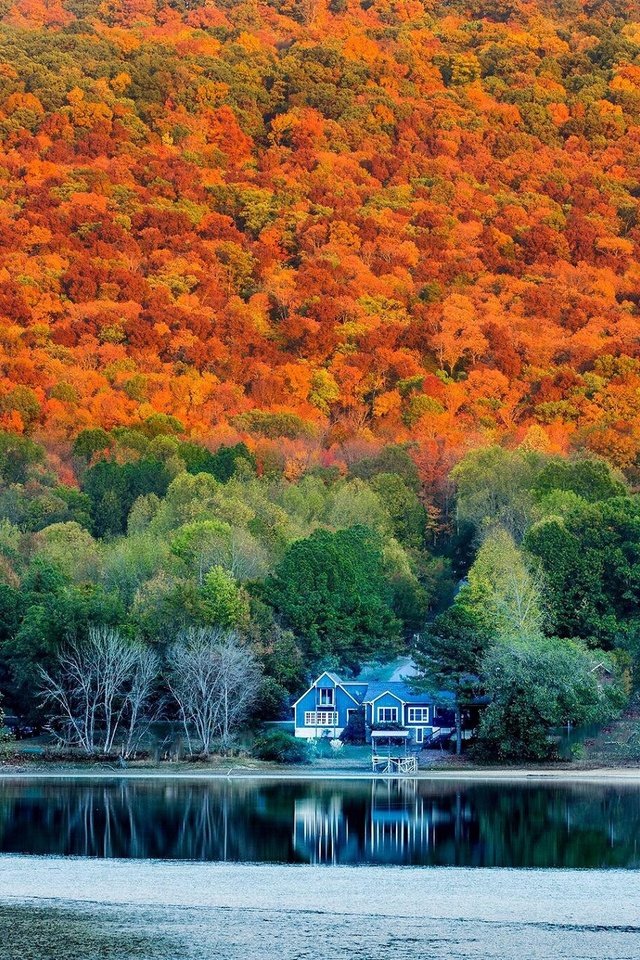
{"x": 618, "y": 742}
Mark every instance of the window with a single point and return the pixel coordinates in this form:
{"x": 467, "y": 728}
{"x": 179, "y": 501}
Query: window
{"x": 387, "y": 714}
{"x": 321, "y": 718}
{"x": 326, "y": 696}
{"x": 418, "y": 715}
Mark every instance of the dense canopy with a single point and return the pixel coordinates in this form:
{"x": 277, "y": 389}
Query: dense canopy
{"x": 322, "y": 222}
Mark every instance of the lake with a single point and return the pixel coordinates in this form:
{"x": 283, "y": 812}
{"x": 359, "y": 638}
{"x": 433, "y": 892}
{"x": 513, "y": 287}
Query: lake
{"x": 347, "y": 822}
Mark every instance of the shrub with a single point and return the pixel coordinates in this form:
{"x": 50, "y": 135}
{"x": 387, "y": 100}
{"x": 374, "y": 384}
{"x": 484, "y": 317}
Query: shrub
{"x": 356, "y": 729}
{"x": 280, "y": 747}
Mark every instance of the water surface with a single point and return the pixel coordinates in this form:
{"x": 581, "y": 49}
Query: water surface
{"x": 407, "y": 822}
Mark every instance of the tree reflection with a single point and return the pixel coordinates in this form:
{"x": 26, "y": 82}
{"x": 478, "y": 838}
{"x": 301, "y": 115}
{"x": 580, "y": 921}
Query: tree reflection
{"x": 378, "y": 821}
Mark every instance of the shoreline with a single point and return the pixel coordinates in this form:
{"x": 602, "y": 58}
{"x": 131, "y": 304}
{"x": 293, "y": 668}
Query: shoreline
{"x": 164, "y": 909}
{"x": 629, "y": 775}
{"x": 249, "y": 885}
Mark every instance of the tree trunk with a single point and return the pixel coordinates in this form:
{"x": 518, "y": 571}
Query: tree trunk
{"x": 458, "y": 729}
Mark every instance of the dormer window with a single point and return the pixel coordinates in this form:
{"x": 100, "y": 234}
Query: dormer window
{"x": 326, "y": 696}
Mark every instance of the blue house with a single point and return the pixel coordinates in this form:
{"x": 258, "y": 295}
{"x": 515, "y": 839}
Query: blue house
{"x": 327, "y": 706}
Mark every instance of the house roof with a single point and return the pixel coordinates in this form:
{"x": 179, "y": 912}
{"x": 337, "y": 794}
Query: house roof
{"x": 334, "y": 679}
{"x": 401, "y": 690}
{"x": 332, "y": 676}
{"x": 363, "y": 691}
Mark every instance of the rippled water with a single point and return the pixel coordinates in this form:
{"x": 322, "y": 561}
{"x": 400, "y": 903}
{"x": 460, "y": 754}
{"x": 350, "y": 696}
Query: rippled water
{"x": 351, "y": 822}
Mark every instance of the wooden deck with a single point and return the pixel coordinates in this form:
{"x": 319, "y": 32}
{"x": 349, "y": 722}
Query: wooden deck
{"x": 391, "y": 766}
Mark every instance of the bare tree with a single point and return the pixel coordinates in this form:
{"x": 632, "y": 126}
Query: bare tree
{"x": 101, "y": 692}
{"x": 214, "y": 680}
{"x": 142, "y": 711}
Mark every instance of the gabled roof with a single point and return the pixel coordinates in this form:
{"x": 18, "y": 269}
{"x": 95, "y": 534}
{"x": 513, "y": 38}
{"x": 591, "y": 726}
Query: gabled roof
{"x": 367, "y": 692}
{"x": 334, "y": 679}
{"x": 357, "y": 688}
{"x": 402, "y": 691}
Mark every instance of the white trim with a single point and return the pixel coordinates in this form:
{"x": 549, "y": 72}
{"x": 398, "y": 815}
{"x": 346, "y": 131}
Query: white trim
{"x": 331, "y": 702}
{"x": 419, "y": 734}
{"x": 422, "y": 718}
{"x": 313, "y": 733}
{"x": 386, "y": 693}
{"x": 350, "y": 695}
{"x": 295, "y": 704}
{"x": 390, "y": 709}
{"x": 314, "y": 685}
{"x": 312, "y": 718}
{"x": 390, "y": 734}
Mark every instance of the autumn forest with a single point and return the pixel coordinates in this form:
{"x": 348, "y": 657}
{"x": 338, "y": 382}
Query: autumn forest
{"x": 336, "y": 225}
{"x": 322, "y": 290}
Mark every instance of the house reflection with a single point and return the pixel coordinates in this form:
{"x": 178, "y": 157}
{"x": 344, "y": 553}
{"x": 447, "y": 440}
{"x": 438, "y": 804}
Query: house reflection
{"x": 401, "y": 824}
{"x": 321, "y": 831}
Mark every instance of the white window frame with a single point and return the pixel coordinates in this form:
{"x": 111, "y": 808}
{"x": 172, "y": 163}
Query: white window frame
{"x": 321, "y": 718}
{"x": 419, "y": 734}
{"x": 391, "y": 719}
{"x": 418, "y": 715}
{"x": 326, "y": 697}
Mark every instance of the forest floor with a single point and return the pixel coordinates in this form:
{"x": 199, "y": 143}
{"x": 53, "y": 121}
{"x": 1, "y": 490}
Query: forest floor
{"x": 56, "y": 908}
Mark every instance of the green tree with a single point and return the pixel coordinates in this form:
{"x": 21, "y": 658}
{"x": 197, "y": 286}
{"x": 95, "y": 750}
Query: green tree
{"x": 587, "y": 477}
{"x": 49, "y": 611}
{"x": 494, "y": 489}
{"x": 17, "y": 455}
{"x": 449, "y": 654}
{"x": 506, "y": 586}
{"x": 201, "y": 544}
{"x": 392, "y": 459}
{"x": 356, "y": 504}
{"x": 90, "y": 442}
{"x": 535, "y": 685}
{"x": 129, "y": 562}
{"x": 224, "y": 604}
{"x": 24, "y": 401}
{"x": 113, "y": 488}
{"x": 223, "y": 464}
{"x": 331, "y": 591}
{"x": 57, "y": 504}
{"x": 407, "y": 513}
{"x": 591, "y": 564}
{"x": 71, "y": 549}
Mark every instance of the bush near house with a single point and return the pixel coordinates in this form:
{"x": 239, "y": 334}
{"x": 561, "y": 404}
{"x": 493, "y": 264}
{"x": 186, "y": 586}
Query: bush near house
{"x": 280, "y": 747}
{"x": 355, "y": 731}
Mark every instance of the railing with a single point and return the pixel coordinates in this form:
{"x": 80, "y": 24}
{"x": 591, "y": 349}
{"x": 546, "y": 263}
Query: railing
{"x": 394, "y": 766}
{"x": 437, "y": 735}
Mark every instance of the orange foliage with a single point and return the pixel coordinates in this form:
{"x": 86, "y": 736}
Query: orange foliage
{"x": 408, "y": 221}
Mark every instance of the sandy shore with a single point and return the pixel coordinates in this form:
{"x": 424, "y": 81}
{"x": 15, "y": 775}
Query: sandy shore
{"x": 559, "y": 774}
{"x": 56, "y": 908}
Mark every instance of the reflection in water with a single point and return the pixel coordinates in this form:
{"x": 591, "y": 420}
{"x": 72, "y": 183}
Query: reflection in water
{"x": 378, "y": 821}
{"x": 396, "y": 824}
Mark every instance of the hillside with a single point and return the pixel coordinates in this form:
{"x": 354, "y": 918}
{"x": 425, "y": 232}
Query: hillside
{"x": 340, "y": 225}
